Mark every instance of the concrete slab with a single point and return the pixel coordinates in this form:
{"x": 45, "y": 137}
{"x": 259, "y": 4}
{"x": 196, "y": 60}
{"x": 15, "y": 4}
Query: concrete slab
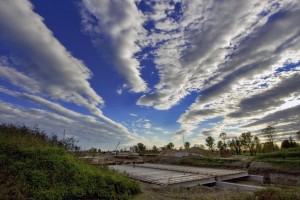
{"x": 177, "y": 175}
{"x": 159, "y": 176}
{"x": 194, "y": 170}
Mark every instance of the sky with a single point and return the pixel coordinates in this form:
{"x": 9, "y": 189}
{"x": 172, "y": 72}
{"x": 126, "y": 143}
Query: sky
{"x": 150, "y": 71}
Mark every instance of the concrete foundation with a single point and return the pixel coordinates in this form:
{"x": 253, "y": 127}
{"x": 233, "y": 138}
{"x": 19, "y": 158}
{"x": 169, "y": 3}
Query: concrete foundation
{"x": 178, "y": 175}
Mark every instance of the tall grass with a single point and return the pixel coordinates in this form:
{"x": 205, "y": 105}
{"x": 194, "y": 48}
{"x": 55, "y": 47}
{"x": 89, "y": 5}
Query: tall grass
{"x": 35, "y": 166}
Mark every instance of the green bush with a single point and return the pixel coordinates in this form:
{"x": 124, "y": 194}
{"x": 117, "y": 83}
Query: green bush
{"x": 34, "y": 168}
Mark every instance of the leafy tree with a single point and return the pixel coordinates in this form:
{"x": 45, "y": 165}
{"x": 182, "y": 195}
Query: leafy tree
{"x": 298, "y": 135}
{"x": 246, "y": 139}
{"x": 269, "y": 147}
{"x": 237, "y": 145}
{"x": 187, "y": 145}
{"x": 285, "y": 144}
{"x": 269, "y": 132}
{"x": 230, "y": 143}
{"x": 249, "y": 142}
{"x": 220, "y": 146}
{"x": 210, "y": 143}
{"x": 170, "y": 145}
{"x": 141, "y": 147}
{"x": 154, "y": 149}
{"x": 290, "y": 143}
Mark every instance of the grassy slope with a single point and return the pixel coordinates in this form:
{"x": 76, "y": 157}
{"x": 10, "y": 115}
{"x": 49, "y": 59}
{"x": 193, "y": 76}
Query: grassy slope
{"x": 284, "y": 158}
{"x": 33, "y": 168}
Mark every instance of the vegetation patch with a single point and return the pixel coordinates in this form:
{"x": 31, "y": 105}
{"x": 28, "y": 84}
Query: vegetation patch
{"x": 273, "y": 193}
{"x": 34, "y": 166}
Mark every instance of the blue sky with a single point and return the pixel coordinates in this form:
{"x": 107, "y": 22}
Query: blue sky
{"x": 150, "y": 71}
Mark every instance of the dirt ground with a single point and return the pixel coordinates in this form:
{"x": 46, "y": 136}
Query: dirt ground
{"x": 152, "y": 192}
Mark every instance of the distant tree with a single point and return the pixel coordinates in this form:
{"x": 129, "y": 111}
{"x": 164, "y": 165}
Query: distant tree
{"x": 141, "y": 147}
{"x": 99, "y": 150}
{"x": 235, "y": 143}
{"x": 285, "y": 144}
{"x": 154, "y": 149}
{"x": 170, "y": 145}
{"x": 210, "y": 143}
{"x": 250, "y": 143}
{"x": 269, "y": 147}
{"x": 187, "y": 145}
{"x": 220, "y": 146}
{"x": 293, "y": 143}
{"x": 231, "y": 144}
{"x": 223, "y": 137}
{"x": 269, "y": 132}
{"x": 257, "y": 145}
{"x": 290, "y": 143}
{"x": 246, "y": 140}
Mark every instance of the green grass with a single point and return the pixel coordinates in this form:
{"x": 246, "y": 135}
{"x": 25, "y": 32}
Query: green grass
{"x": 285, "y": 158}
{"x": 33, "y": 166}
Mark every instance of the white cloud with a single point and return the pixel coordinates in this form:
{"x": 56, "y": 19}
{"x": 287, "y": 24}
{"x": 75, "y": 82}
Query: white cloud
{"x": 44, "y": 72}
{"x": 115, "y": 27}
{"x": 226, "y": 58}
{"x": 57, "y": 72}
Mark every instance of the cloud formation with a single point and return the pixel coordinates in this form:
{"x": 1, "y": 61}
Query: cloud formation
{"x": 41, "y": 55}
{"x": 238, "y": 56}
{"x": 44, "y": 72}
{"x": 115, "y": 28}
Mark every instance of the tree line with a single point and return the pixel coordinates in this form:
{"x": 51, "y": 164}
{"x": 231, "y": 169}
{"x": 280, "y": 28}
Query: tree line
{"x": 248, "y": 142}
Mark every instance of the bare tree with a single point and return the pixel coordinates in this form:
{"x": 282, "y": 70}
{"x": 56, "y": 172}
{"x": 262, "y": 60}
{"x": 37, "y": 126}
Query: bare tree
{"x": 210, "y": 143}
{"x": 223, "y": 137}
{"x": 269, "y": 132}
